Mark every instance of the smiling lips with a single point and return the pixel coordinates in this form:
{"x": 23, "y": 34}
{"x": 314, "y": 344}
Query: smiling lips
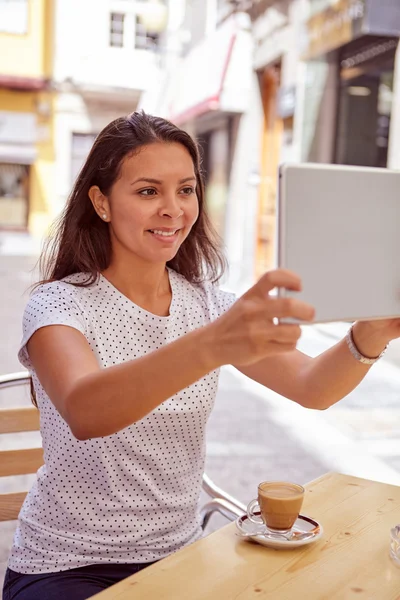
{"x": 164, "y": 233}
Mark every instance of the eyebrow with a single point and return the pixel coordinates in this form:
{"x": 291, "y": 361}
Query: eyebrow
{"x": 151, "y": 180}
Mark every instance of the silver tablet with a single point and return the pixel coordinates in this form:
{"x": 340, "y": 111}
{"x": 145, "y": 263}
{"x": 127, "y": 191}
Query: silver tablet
{"x": 339, "y": 230}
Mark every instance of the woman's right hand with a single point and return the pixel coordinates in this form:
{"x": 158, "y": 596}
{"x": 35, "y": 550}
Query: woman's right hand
{"x": 247, "y": 333}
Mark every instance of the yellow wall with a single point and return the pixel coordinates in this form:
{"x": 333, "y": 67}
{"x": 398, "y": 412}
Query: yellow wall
{"x": 41, "y": 210}
{"x": 17, "y": 101}
{"x": 26, "y": 55}
{"x": 48, "y": 17}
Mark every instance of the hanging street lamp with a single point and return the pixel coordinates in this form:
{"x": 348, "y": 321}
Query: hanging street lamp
{"x": 153, "y": 15}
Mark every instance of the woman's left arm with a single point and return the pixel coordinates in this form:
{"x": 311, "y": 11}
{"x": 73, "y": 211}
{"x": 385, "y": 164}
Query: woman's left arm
{"x": 324, "y": 380}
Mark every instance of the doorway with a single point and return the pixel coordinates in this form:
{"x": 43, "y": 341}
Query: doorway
{"x": 365, "y": 109}
{"x": 14, "y": 196}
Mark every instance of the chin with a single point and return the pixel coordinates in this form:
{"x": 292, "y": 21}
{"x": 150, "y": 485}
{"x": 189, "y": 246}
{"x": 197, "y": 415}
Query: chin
{"x": 163, "y": 257}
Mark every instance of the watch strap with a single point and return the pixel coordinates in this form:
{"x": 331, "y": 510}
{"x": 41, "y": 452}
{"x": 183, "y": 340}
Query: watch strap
{"x": 366, "y": 360}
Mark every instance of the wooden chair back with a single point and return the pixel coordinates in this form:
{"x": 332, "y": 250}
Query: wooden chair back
{"x": 17, "y": 462}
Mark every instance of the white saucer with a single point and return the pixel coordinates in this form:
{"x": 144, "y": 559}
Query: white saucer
{"x": 305, "y": 531}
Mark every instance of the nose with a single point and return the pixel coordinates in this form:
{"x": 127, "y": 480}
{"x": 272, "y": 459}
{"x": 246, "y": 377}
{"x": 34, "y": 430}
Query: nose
{"x": 171, "y": 206}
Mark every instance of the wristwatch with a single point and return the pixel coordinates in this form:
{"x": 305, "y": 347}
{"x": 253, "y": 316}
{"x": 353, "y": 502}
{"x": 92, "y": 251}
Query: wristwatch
{"x": 357, "y": 354}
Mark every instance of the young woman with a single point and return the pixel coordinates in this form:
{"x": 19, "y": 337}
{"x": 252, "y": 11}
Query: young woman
{"x": 124, "y": 340}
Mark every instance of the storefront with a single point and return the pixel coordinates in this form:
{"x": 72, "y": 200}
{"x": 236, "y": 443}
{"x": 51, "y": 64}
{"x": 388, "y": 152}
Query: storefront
{"x": 356, "y": 42}
{"x": 365, "y": 104}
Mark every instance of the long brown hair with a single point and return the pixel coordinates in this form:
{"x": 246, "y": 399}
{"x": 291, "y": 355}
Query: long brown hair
{"x": 80, "y": 240}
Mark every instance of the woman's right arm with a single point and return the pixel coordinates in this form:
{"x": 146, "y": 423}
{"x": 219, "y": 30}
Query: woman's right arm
{"x": 97, "y": 402}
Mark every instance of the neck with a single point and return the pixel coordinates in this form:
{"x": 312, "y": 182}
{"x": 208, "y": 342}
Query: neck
{"x": 141, "y": 283}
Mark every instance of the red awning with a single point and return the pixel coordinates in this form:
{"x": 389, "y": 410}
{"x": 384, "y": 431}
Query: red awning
{"x": 22, "y": 83}
{"x": 214, "y": 76}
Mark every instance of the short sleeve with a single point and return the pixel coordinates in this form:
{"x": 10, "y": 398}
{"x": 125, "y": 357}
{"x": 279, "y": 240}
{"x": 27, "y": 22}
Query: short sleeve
{"x": 218, "y": 301}
{"x": 225, "y": 300}
{"x": 50, "y": 304}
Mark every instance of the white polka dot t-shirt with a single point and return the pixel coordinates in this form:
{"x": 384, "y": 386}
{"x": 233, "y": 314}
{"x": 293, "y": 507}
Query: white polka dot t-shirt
{"x": 130, "y": 497}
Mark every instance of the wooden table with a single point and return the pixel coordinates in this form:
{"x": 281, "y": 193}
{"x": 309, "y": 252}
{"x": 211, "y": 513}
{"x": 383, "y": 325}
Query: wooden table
{"x": 351, "y": 560}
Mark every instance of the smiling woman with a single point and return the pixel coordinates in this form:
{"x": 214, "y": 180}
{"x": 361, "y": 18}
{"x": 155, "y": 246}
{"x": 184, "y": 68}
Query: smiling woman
{"x": 124, "y": 340}
{"x": 133, "y": 150}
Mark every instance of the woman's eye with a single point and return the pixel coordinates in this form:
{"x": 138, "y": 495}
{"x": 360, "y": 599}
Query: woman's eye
{"x": 188, "y": 190}
{"x": 147, "y": 192}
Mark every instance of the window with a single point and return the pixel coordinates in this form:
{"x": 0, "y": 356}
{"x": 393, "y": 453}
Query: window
{"x": 140, "y": 35}
{"x": 14, "y": 16}
{"x": 143, "y": 39}
{"x": 128, "y": 31}
{"x": 117, "y": 29}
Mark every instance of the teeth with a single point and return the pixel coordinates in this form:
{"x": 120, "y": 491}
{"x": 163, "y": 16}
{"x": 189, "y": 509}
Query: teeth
{"x": 165, "y": 233}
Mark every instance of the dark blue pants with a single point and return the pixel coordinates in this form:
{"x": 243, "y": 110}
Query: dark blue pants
{"x": 74, "y": 584}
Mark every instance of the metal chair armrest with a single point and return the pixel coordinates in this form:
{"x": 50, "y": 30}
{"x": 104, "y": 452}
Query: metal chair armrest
{"x": 220, "y": 502}
{"x": 14, "y": 379}
{"x": 215, "y": 492}
{"x": 225, "y": 508}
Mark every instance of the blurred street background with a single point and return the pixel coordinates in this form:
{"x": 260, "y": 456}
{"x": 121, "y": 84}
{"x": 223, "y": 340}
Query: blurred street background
{"x": 257, "y": 83}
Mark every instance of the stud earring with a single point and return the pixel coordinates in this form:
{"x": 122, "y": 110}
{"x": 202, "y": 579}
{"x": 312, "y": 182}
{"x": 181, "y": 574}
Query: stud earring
{"x": 104, "y": 216}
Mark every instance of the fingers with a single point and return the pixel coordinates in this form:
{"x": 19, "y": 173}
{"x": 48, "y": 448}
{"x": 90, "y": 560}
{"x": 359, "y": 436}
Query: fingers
{"x": 278, "y": 278}
{"x": 276, "y": 307}
{"x": 289, "y": 307}
{"x": 250, "y": 331}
